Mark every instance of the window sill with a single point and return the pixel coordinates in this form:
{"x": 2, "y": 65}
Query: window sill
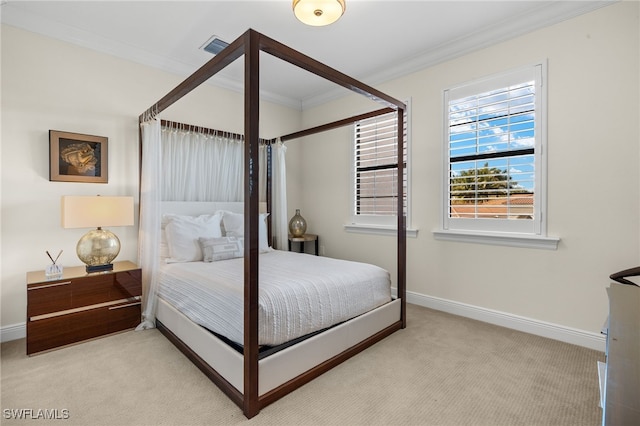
{"x": 501, "y": 239}
{"x": 377, "y": 230}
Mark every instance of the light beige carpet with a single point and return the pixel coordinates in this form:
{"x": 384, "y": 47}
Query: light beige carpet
{"x": 441, "y": 370}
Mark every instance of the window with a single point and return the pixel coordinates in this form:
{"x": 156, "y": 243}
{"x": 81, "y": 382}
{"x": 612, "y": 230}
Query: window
{"x": 494, "y": 147}
{"x": 375, "y": 190}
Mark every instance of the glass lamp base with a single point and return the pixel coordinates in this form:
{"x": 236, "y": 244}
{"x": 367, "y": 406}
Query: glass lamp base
{"x": 297, "y": 225}
{"x": 97, "y": 249}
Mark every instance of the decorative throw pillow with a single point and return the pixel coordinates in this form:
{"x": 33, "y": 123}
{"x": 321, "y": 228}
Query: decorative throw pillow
{"x": 234, "y": 227}
{"x": 183, "y": 232}
{"x": 214, "y": 249}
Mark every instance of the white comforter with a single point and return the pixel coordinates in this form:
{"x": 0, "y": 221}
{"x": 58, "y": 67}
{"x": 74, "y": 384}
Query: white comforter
{"x": 299, "y": 293}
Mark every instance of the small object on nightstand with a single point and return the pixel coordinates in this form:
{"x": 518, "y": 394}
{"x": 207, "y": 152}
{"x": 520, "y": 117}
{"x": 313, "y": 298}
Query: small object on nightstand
{"x": 297, "y": 225}
{"x": 98, "y": 247}
{"x": 302, "y": 240}
{"x": 54, "y": 270}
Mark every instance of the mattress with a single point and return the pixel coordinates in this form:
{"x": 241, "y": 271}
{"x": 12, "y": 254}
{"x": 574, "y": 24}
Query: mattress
{"x": 299, "y": 294}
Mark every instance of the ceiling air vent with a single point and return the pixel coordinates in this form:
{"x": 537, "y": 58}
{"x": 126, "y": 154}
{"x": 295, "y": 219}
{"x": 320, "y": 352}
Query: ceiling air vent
{"x": 214, "y": 45}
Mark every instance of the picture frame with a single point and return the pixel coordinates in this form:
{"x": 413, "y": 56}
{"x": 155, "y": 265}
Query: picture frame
{"x": 74, "y": 157}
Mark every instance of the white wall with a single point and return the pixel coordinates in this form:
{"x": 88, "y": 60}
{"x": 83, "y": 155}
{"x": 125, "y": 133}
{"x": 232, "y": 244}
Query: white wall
{"x": 594, "y": 191}
{"x": 48, "y": 84}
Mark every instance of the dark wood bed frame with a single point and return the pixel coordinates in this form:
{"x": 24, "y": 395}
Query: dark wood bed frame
{"x": 250, "y": 44}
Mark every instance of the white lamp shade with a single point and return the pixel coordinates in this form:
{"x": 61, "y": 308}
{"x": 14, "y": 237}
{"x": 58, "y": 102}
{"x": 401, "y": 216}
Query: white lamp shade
{"x": 96, "y": 211}
{"x": 318, "y": 12}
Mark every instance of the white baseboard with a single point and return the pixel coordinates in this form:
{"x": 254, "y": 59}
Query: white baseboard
{"x": 13, "y": 332}
{"x": 573, "y": 336}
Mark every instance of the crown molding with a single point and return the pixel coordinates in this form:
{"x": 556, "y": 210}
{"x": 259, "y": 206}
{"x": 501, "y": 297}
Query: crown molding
{"x": 544, "y": 16}
{"x": 37, "y": 24}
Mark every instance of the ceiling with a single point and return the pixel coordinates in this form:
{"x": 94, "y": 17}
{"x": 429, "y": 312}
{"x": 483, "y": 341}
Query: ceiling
{"x": 374, "y": 41}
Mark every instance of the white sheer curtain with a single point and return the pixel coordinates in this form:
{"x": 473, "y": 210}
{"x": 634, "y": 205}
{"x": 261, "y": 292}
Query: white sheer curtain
{"x": 185, "y": 165}
{"x": 279, "y": 221}
{"x": 149, "y": 227}
{"x": 200, "y": 166}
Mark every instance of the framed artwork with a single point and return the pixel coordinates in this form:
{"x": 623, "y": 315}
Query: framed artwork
{"x": 77, "y": 158}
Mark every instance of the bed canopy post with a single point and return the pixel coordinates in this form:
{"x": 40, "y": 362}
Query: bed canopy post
{"x": 251, "y": 207}
{"x": 402, "y": 223}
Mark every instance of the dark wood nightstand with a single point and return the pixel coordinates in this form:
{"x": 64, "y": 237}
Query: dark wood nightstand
{"x": 302, "y": 240}
{"x": 78, "y": 306}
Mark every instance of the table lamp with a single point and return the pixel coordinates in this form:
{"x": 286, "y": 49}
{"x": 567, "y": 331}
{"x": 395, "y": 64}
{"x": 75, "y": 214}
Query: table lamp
{"x": 98, "y": 247}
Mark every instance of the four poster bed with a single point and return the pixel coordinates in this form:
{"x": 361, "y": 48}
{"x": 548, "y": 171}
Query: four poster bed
{"x": 261, "y": 356}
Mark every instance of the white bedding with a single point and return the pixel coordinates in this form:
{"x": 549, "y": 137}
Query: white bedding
{"x": 299, "y": 293}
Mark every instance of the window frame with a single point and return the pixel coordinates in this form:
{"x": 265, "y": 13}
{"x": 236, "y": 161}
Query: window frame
{"x": 517, "y": 232}
{"x": 381, "y": 224}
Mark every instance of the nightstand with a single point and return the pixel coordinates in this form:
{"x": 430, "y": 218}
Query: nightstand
{"x": 302, "y": 240}
{"x": 78, "y": 306}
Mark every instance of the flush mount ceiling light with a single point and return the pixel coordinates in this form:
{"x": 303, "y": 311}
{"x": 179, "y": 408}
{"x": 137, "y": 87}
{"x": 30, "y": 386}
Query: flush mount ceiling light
{"x": 318, "y": 12}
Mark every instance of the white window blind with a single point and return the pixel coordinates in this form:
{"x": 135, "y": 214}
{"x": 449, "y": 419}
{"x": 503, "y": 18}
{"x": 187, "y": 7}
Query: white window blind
{"x": 376, "y": 168}
{"x": 493, "y": 151}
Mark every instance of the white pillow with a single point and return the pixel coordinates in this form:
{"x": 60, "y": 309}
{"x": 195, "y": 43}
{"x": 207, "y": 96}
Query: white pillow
{"x": 183, "y": 233}
{"x": 234, "y": 227}
{"x": 164, "y": 221}
{"x": 233, "y": 224}
{"x": 214, "y": 249}
{"x": 164, "y": 247}
{"x": 168, "y": 217}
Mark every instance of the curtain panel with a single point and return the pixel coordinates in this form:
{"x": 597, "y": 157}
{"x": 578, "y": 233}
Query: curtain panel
{"x": 149, "y": 226}
{"x": 187, "y": 164}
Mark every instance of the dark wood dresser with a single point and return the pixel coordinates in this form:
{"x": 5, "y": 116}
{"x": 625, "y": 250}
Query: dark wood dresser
{"x": 78, "y": 306}
{"x": 622, "y": 389}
